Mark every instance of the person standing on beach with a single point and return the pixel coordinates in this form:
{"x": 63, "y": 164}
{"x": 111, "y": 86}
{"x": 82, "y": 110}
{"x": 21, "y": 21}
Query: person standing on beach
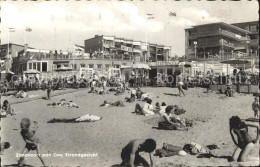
{"x": 180, "y": 84}
{"x": 255, "y": 107}
{"x": 32, "y": 142}
{"x": 244, "y": 141}
{"x": 49, "y": 91}
{"x": 130, "y": 153}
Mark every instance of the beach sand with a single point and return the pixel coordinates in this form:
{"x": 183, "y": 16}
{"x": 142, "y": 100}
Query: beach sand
{"x": 118, "y": 126}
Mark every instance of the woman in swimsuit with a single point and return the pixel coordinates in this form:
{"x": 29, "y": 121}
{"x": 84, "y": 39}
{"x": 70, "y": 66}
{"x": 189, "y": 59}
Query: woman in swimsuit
{"x": 244, "y": 141}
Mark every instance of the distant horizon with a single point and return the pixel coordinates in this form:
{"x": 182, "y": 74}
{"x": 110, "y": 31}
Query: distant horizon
{"x": 57, "y": 26}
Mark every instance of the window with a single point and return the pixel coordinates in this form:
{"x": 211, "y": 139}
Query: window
{"x": 82, "y": 65}
{"x": 75, "y": 67}
{"x": 39, "y": 66}
{"x": 253, "y": 28}
{"x": 107, "y": 66}
{"x": 44, "y": 66}
{"x": 34, "y": 66}
{"x": 99, "y": 66}
{"x": 30, "y": 66}
{"x": 91, "y": 66}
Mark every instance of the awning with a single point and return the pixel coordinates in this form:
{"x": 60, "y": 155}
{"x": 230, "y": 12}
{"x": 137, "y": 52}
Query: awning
{"x": 235, "y": 61}
{"x": 32, "y": 71}
{"x": 60, "y": 62}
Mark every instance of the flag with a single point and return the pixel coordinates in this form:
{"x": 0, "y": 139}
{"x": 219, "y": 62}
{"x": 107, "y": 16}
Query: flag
{"x": 150, "y": 16}
{"x": 11, "y": 30}
{"x": 172, "y": 13}
{"x": 28, "y": 29}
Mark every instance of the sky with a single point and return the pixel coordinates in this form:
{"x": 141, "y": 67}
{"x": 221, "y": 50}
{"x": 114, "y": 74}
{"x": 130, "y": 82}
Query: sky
{"x": 61, "y": 24}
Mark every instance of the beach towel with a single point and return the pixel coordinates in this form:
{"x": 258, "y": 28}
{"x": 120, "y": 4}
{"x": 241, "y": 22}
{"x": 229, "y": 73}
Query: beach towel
{"x": 85, "y": 118}
{"x": 88, "y": 117}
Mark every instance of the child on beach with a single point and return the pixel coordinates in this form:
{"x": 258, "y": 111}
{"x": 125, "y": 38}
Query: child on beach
{"x": 130, "y": 153}
{"x": 6, "y": 109}
{"x": 244, "y": 142}
{"x": 31, "y": 140}
{"x": 255, "y": 107}
{"x": 72, "y": 104}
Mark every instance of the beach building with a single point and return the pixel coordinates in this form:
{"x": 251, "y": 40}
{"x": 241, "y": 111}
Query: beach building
{"x": 216, "y": 41}
{"x": 13, "y": 50}
{"x": 111, "y": 47}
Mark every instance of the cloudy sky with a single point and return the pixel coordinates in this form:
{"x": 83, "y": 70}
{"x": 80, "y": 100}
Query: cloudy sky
{"x": 61, "y": 24}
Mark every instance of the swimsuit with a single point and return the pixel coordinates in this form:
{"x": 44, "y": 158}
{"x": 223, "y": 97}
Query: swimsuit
{"x": 243, "y": 136}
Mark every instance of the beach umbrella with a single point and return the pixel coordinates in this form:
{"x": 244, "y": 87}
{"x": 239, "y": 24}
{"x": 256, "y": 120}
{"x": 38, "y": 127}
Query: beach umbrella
{"x": 235, "y": 61}
{"x": 141, "y": 66}
{"x": 31, "y": 71}
{"x": 7, "y": 72}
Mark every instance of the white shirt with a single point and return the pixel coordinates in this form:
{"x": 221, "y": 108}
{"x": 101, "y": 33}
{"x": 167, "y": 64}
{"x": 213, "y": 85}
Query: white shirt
{"x": 148, "y": 109}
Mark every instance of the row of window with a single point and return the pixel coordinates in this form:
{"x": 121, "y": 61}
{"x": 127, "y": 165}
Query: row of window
{"x": 40, "y": 66}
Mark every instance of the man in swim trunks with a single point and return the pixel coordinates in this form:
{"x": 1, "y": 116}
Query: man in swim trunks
{"x": 130, "y": 153}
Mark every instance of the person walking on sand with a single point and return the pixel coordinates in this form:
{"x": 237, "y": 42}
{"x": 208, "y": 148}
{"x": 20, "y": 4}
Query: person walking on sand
{"x": 255, "y": 107}
{"x": 130, "y": 153}
{"x": 32, "y": 142}
{"x": 49, "y": 91}
{"x": 244, "y": 141}
{"x": 180, "y": 84}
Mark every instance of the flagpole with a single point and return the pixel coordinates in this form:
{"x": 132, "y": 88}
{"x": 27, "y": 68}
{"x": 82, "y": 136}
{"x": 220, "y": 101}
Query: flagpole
{"x": 8, "y": 43}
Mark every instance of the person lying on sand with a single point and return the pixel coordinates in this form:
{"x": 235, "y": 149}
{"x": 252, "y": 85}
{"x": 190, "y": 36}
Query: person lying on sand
{"x": 244, "y": 141}
{"x": 32, "y": 142}
{"x": 130, "y": 153}
{"x": 147, "y": 109}
{"x": 72, "y": 104}
{"x": 169, "y": 122}
{"x": 255, "y": 107}
{"x": 130, "y": 99}
{"x": 110, "y": 104}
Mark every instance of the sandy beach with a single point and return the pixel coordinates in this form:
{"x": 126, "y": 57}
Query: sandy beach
{"x": 104, "y": 139}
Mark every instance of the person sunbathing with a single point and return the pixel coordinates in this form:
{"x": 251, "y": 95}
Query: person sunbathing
{"x": 147, "y": 109}
{"x": 130, "y": 153}
{"x": 244, "y": 141}
{"x": 130, "y": 99}
{"x": 110, "y": 104}
{"x": 72, "y": 104}
{"x": 161, "y": 107}
{"x": 169, "y": 122}
{"x": 32, "y": 142}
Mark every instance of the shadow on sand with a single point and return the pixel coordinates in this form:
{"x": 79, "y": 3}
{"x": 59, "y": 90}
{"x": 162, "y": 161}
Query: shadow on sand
{"x": 171, "y": 94}
{"x": 15, "y": 165}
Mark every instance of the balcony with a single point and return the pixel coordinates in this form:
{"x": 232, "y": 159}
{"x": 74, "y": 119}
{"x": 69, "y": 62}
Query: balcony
{"x": 214, "y": 44}
{"x": 220, "y": 32}
{"x": 136, "y": 50}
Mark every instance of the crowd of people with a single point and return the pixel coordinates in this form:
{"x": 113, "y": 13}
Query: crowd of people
{"x": 168, "y": 121}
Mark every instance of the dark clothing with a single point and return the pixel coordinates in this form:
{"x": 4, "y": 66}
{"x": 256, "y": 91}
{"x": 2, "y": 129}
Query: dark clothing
{"x": 167, "y": 126}
{"x": 126, "y": 153}
{"x": 243, "y": 136}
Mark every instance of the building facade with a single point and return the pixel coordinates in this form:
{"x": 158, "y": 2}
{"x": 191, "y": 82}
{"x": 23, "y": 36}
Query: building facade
{"x": 253, "y": 27}
{"x": 49, "y": 61}
{"x": 13, "y": 50}
{"x": 216, "y": 41}
{"x": 111, "y": 47}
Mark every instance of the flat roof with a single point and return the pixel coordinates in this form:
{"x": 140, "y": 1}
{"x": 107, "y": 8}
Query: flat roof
{"x": 12, "y": 44}
{"x": 225, "y": 24}
{"x": 249, "y": 22}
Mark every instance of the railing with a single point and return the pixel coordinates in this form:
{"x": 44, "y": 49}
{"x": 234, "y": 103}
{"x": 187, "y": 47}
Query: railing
{"x": 219, "y": 32}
